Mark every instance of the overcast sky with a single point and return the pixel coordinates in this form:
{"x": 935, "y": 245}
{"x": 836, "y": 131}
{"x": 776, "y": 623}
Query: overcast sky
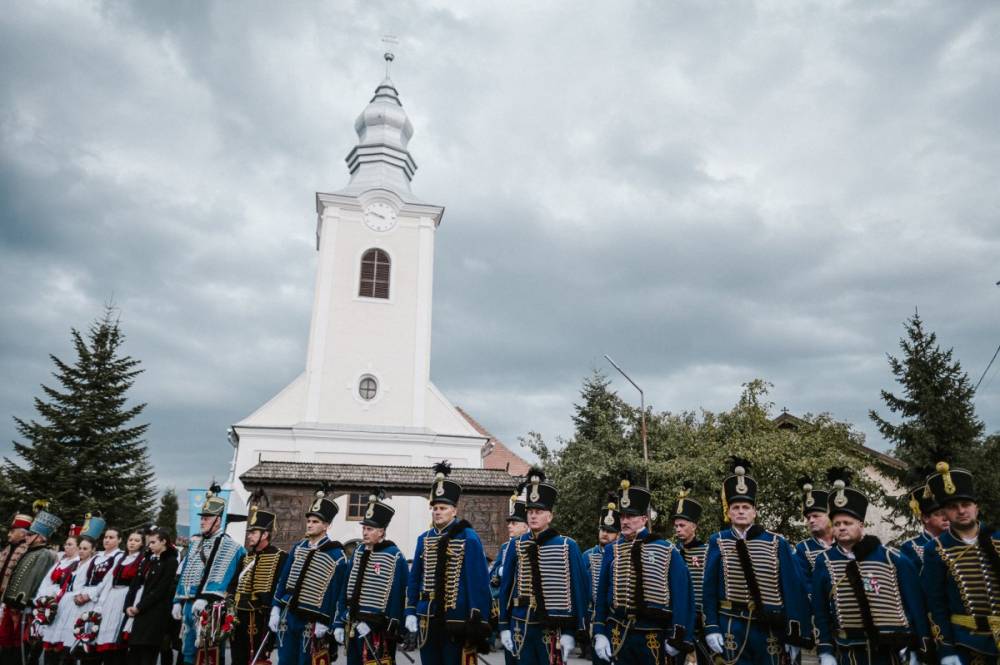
{"x": 707, "y": 192}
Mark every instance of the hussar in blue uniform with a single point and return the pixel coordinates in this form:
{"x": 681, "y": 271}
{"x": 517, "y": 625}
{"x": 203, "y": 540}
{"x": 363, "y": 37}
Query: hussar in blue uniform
{"x": 867, "y": 604}
{"x": 305, "y": 598}
{"x": 961, "y": 575}
{"x": 932, "y": 517}
{"x": 644, "y": 608}
{"x": 686, "y": 515}
{"x": 517, "y": 526}
{"x": 609, "y": 527}
{"x": 209, "y": 568}
{"x": 370, "y": 611}
{"x": 543, "y": 592}
{"x": 448, "y": 594}
{"x": 820, "y": 532}
{"x": 754, "y": 597}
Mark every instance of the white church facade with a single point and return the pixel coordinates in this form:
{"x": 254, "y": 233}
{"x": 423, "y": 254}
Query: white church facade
{"x": 365, "y": 398}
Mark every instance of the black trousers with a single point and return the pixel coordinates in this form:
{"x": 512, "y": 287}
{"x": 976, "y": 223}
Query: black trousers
{"x": 249, "y": 633}
{"x": 143, "y": 655}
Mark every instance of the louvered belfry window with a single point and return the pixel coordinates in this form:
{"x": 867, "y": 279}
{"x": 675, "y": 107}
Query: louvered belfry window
{"x": 374, "y": 274}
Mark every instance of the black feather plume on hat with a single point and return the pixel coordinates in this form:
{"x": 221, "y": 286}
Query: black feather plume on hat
{"x": 443, "y": 467}
{"x": 688, "y": 485}
{"x": 536, "y": 472}
{"x": 735, "y": 462}
{"x": 841, "y": 473}
{"x": 805, "y": 480}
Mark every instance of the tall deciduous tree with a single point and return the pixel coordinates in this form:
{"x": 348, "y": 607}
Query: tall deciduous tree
{"x": 936, "y": 417}
{"x": 84, "y": 452}
{"x": 694, "y": 447}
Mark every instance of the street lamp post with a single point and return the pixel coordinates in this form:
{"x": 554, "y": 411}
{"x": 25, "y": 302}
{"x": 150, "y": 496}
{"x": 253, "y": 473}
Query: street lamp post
{"x": 642, "y": 408}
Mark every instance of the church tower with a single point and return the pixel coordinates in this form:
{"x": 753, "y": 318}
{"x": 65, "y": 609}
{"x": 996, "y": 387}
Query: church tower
{"x": 365, "y": 396}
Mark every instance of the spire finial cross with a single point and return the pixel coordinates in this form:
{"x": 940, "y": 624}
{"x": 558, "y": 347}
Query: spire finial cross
{"x": 389, "y": 41}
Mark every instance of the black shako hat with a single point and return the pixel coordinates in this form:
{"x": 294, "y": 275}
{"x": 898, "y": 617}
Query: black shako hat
{"x": 539, "y": 494}
{"x": 516, "y": 510}
{"x": 262, "y": 520}
{"x": 686, "y": 508}
{"x": 444, "y": 490}
{"x": 813, "y": 500}
{"x": 379, "y": 513}
{"x": 922, "y": 501}
{"x": 844, "y": 499}
{"x": 322, "y": 507}
{"x": 610, "y": 519}
{"x": 739, "y": 486}
{"x": 214, "y": 505}
{"x": 950, "y": 484}
{"x": 632, "y": 499}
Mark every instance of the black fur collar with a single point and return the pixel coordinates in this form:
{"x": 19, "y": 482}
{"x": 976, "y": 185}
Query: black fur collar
{"x": 864, "y": 547}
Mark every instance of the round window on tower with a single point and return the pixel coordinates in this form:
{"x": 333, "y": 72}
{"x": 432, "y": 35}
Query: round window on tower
{"x": 367, "y": 388}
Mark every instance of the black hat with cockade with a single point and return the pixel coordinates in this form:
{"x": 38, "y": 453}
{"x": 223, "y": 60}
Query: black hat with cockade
{"x": 261, "y": 520}
{"x": 844, "y": 499}
{"x": 687, "y": 508}
{"x": 738, "y": 486}
{"x": 610, "y": 519}
{"x": 444, "y": 489}
{"x": 922, "y": 501}
{"x": 950, "y": 484}
{"x": 322, "y": 506}
{"x": 813, "y": 500}
{"x": 633, "y": 499}
{"x": 379, "y": 513}
{"x": 539, "y": 494}
{"x": 517, "y": 511}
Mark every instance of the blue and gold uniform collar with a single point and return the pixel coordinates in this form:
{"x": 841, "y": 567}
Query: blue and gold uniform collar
{"x": 447, "y": 526}
{"x": 319, "y": 543}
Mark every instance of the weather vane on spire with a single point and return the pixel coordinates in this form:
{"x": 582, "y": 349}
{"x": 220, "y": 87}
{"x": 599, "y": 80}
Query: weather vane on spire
{"x": 389, "y": 41}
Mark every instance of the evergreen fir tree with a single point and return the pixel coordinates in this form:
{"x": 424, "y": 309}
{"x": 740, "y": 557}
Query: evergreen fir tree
{"x": 167, "y": 517}
{"x": 84, "y": 452}
{"x": 938, "y": 420}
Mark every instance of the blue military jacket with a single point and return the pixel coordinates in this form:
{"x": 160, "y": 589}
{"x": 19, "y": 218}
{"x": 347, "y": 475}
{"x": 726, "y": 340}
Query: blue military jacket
{"x": 913, "y": 549}
{"x": 726, "y": 590}
{"x": 544, "y": 582}
{"x": 667, "y": 599}
{"x": 209, "y": 567}
{"x": 694, "y": 554}
{"x": 961, "y": 581}
{"x": 496, "y": 569}
{"x": 451, "y": 588}
{"x": 311, "y": 580}
{"x": 883, "y": 587}
{"x": 375, "y": 591}
{"x": 592, "y": 559}
{"x": 806, "y": 552}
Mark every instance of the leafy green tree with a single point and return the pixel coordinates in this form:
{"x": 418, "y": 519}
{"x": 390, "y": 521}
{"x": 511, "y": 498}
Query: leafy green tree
{"x": 84, "y": 452}
{"x": 696, "y": 448}
{"x": 167, "y": 516}
{"x": 937, "y": 419}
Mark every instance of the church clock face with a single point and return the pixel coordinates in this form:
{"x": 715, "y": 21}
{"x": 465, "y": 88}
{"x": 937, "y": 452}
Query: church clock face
{"x": 380, "y": 216}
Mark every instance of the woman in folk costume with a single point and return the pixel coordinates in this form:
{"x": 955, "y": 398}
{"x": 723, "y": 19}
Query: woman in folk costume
{"x": 60, "y": 636}
{"x": 149, "y": 599}
{"x": 54, "y": 586}
{"x": 112, "y": 601}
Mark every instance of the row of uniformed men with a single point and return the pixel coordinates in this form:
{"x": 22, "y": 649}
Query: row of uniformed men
{"x": 744, "y": 597}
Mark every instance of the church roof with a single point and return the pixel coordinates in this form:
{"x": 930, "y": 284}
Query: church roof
{"x": 366, "y": 476}
{"x": 495, "y": 454}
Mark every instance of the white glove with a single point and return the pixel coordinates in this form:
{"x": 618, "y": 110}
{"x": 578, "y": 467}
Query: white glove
{"x": 669, "y": 649}
{"x": 177, "y": 612}
{"x": 506, "y": 640}
{"x": 567, "y": 643}
{"x": 320, "y": 630}
{"x": 715, "y": 642}
{"x": 914, "y": 659}
{"x": 602, "y": 648}
{"x": 338, "y": 634}
{"x": 362, "y": 629}
{"x": 951, "y": 660}
{"x": 199, "y": 606}
{"x": 827, "y": 659}
{"x": 411, "y": 623}
{"x": 274, "y": 620}
{"x": 793, "y": 652}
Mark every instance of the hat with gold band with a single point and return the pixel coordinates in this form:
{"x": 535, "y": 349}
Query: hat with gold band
{"x": 686, "y": 507}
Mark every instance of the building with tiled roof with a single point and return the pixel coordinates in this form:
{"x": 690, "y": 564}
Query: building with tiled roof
{"x": 495, "y": 454}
